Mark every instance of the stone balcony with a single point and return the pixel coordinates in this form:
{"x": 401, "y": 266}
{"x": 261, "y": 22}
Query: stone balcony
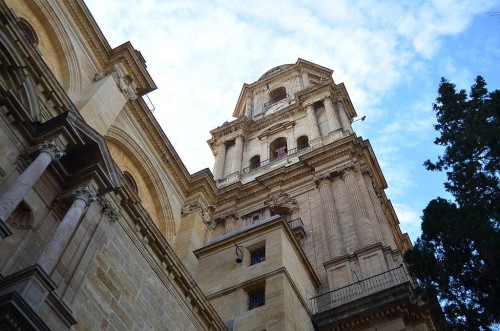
{"x": 387, "y": 293}
{"x": 360, "y": 289}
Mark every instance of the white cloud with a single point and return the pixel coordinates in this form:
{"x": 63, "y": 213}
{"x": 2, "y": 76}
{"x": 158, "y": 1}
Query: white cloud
{"x": 201, "y": 52}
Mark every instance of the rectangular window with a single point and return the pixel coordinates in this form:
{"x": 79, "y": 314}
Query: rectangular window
{"x": 255, "y": 218}
{"x": 257, "y": 255}
{"x": 256, "y": 298}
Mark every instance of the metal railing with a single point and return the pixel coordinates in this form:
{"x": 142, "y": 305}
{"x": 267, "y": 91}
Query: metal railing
{"x": 296, "y": 223}
{"x": 360, "y": 289}
{"x": 273, "y": 159}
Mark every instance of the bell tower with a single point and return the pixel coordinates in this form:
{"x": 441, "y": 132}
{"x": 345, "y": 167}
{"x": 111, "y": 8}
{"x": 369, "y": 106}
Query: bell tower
{"x": 302, "y": 208}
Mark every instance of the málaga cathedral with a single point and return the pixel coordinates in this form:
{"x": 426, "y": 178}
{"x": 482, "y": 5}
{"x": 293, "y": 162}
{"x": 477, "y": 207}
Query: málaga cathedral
{"x": 103, "y": 228}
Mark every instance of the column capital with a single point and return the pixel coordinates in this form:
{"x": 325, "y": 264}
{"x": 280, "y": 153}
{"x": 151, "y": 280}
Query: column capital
{"x": 53, "y": 148}
{"x": 86, "y": 193}
{"x": 323, "y": 180}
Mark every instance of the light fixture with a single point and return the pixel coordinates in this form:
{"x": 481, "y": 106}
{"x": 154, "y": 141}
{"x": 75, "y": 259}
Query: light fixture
{"x": 239, "y": 253}
{"x": 360, "y": 119}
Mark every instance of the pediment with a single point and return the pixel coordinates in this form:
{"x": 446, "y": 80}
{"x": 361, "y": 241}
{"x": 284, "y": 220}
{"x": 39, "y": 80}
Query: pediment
{"x": 276, "y": 128}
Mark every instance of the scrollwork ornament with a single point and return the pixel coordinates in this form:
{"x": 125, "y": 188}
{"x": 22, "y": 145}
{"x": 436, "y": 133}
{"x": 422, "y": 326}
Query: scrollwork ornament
{"x": 53, "y": 148}
{"x": 86, "y": 193}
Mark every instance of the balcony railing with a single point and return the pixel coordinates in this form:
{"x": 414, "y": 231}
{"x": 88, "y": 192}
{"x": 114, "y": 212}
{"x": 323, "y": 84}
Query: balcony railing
{"x": 273, "y": 159}
{"x": 278, "y": 98}
{"x": 359, "y": 289}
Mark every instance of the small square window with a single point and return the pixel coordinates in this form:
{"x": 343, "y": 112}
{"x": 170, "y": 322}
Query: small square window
{"x": 257, "y": 255}
{"x": 255, "y": 218}
{"x": 256, "y": 298}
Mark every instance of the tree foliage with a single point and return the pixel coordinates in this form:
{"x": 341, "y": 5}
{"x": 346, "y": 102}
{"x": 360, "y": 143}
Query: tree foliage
{"x": 457, "y": 258}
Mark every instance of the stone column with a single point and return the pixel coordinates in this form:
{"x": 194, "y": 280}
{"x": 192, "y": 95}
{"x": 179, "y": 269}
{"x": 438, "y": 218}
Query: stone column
{"x": 333, "y": 121}
{"x": 382, "y": 220}
{"x": 344, "y": 121}
{"x": 312, "y": 123}
{"x": 50, "y": 151}
{"x": 332, "y": 227}
{"x": 63, "y": 232}
{"x": 363, "y": 227}
{"x": 220, "y": 159}
{"x": 305, "y": 79}
{"x": 238, "y": 154}
{"x": 249, "y": 107}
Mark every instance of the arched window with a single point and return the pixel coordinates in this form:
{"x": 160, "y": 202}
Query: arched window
{"x": 255, "y": 162}
{"x": 28, "y": 30}
{"x": 302, "y": 142}
{"x": 277, "y": 94}
{"x": 131, "y": 181}
{"x": 278, "y": 148}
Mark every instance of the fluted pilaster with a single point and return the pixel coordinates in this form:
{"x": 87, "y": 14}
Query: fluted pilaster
{"x": 238, "y": 154}
{"x": 332, "y": 227}
{"x": 312, "y": 123}
{"x": 220, "y": 159}
{"x": 385, "y": 228}
{"x": 344, "y": 120}
{"x": 333, "y": 120}
{"x": 364, "y": 229}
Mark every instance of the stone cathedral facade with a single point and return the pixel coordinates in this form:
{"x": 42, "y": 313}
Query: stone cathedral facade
{"x": 103, "y": 228}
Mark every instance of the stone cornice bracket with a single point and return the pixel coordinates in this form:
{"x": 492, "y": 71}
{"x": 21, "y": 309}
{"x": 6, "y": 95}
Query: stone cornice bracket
{"x": 196, "y": 207}
{"x": 108, "y": 210}
{"x": 124, "y": 82}
{"x": 282, "y": 200}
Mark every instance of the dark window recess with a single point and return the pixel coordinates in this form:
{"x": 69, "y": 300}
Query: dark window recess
{"x": 257, "y": 256}
{"x": 256, "y": 299}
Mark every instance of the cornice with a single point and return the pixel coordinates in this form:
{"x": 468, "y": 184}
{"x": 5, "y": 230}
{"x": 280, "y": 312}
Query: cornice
{"x": 104, "y": 54}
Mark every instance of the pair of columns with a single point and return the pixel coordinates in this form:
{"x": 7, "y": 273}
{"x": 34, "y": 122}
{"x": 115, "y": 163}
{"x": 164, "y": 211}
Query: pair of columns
{"x": 364, "y": 230}
{"x": 220, "y": 159}
{"x": 337, "y": 118}
{"x": 49, "y": 151}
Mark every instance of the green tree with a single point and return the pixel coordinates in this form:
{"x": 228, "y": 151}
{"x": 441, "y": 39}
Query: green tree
{"x": 457, "y": 258}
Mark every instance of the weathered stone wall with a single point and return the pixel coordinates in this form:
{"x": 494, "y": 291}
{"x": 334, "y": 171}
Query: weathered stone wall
{"x": 123, "y": 292}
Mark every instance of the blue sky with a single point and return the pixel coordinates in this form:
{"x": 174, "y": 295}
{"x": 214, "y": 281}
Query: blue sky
{"x": 390, "y": 54}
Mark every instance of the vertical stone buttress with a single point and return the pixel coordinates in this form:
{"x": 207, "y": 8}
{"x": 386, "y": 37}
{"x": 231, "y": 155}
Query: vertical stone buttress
{"x": 312, "y": 123}
{"x": 331, "y": 221}
{"x": 364, "y": 229}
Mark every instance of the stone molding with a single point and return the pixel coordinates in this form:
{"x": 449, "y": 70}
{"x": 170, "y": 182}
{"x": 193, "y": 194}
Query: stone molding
{"x": 196, "y": 207}
{"x": 124, "y": 82}
{"x": 283, "y": 200}
{"x": 108, "y": 210}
